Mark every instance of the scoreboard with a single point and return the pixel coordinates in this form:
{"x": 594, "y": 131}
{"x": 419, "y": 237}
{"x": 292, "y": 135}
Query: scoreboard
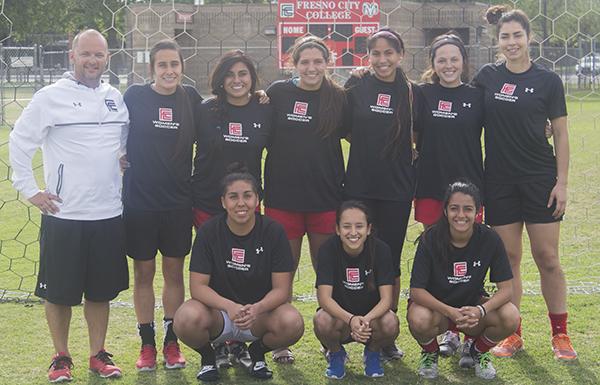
{"x": 344, "y": 25}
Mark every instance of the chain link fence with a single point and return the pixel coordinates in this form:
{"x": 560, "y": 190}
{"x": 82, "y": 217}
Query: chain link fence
{"x": 566, "y": 39}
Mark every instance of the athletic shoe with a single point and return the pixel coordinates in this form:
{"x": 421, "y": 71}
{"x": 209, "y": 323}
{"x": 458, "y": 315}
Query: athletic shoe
{"x": 391, "y": 352}
{"x": 509, "y": 346}
{"x": 260, "y": 370}
{"x": 239, "y": 354}
{"x": 466, "y": 361}
{"x": 60, "y": 368}
{"x": 483, "y": 364}
{"x": 372, "y": 362}
{"x": 172, "y": 355}
{"x": 102, "y": 365}
{"x": 449, "y": 343}
{"x": 428, "y": 365}
{"x": 208, "y": 373}
{"x": 336, "y": 364}
{"x": 325, "y": 352}
{"x": 147, "y": 359}
{"x": 222, "y": 356}
{"x": 562, "y": 348}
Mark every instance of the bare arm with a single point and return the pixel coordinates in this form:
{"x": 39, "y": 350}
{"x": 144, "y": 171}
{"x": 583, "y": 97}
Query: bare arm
{"x": 384, "y": 304}
{"x": 425, "y": 299}
{"x": 327, "y": 303}
{"x": 561, "y": 148}
{"x": 201, "y": 292}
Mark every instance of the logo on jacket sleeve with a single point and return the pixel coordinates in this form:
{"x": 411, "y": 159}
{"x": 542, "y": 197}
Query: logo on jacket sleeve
{"x": 111, "y": 105}
{"x": 444, "y": 106}
{"x": 508, "y": 89}
{"x": 383, "y": 100}
{"x": 300, "y": 108}
{"x": 165, "y": 114}
{"x": 235, "y": 129}
{"x": 238, "y": 255}
{"x": 460, "y": 269}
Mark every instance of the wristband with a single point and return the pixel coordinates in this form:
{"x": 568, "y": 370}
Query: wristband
{"x": 482, "y": 310}
{"x": 350, "y": 321}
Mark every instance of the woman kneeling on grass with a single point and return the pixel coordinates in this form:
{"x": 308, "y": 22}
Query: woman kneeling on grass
{"x": 354, "y": 289}
{"x": 241, "y": 276}
{"x": 447, "y": 282}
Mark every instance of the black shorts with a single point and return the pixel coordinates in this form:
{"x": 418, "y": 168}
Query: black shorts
{"x": 148, "y": 232}
{"x": 390, "y": 221}
{"x": 81, "y": 258}
{"x": 523, "y": 202}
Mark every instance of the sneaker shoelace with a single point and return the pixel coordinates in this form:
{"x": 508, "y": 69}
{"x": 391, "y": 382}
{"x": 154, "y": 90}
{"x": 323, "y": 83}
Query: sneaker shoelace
{"x": 485, "y": 359}
{"x": 105, "y": 356}
{"x": 172, "y": 348}
{"x": 427, "y": 359}
{"x": 563, "y": 343}
{"x": 62, "y": 362}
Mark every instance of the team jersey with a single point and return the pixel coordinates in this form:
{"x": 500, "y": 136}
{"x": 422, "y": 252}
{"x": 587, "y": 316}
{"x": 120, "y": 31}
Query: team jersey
{"x": 242, "y": 138}
{"x": 516, "y": 109}
{"x": 156, "y": 179}
{"x": 240, "y": 267}
{"x": 450, "y": 140}
{"x": 460, "y": 281}
{"x": 348, "y": 275}
{"x": 373, "y": 172}
{"x": 303, "y": 170}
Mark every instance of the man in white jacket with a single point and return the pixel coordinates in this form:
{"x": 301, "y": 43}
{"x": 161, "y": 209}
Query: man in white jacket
{"x": 80, "y": 123}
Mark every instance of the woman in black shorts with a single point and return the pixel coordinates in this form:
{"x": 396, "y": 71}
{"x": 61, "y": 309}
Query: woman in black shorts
{"x": 354, "y": 289}
{"x": 240, "y": 279}
{"x": 526, "y": 177}
{"x": 157, "y": 194}
{"x": 446, "y": 285}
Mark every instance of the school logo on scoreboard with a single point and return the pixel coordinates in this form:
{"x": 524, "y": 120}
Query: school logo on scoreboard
{"x": 383, "y": 100}
{"x": 352, "y": 274}
{"x": 165, "y": 114}
{"x": 460, "y": 269}
{"x": 508, "y": 89}
{"x": 300, "y": 108}
{"x": 444, "y": 106}
{"x": 235, "y": 129}
{"x": 238, "y": 255}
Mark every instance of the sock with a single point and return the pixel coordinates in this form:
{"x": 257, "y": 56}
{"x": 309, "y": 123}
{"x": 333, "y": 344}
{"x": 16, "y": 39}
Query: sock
{"x": 169, "y": 333}
{"x": 208, "y": 355}
{"x": 452, "y": 327}
{"x": 257, "y": 350}
{"x": 431, "y": 346}
{"x": 483, "y": 344}
{"x": 558, "y": 323}
{"x": 147, "y": 333}
{"x": 519, "y": 331}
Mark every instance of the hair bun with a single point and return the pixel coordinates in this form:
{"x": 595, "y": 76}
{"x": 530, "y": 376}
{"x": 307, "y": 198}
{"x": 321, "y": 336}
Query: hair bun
{"x": 494, "y": 13}
{"x": 236, "y": 167}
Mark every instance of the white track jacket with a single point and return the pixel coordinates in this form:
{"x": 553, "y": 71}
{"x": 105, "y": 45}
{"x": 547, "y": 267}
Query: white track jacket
{"x": 82, "y": 132}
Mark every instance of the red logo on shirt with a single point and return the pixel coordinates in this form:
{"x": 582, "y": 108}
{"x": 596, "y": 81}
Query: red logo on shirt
{"x": 508, "y": 89}
{"x": 460, "y": 269}
{"x": 383, "y": 100}
{"x": 165, "y": 114}
{"x": 352, "y": 274}
{"x": 235, "y": 129}
{"x": 300, "y": 108}
{"x": 444, "y": 106}
{"x": 237, "y": 255}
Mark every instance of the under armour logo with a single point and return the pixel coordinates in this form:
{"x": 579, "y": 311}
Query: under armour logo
{"x": 477, "y": 264}
{"x": 42, "y": 286}
{"x": 467, "y": 105}
{"x": 530, "y": 90}
{"x": 76, "y": 104}
{"x": 367, "y": 272}
{"x": 256, "y": 125}
{"x": 259, "y": 250}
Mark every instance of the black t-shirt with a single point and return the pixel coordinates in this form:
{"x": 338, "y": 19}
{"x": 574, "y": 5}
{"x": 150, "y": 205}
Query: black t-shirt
{"x": 156, "y": 179}
{"x": 450, "y": 140}
{"x": 373, "y": 172}
{"x": 240, "y": 267}
{"x": 348, "y": 275}
{"x": 460, "y": 281}
{"x": 241, "y": 138}
{"x": 516, "y": 109}
{"x": 303, "y": 170}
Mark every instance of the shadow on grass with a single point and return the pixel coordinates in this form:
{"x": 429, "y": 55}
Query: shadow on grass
{"x": 146, "y": 378}
{"x": 580, "y": 374}
{"x": 176, "y": 376}
{"x": 532, "y": 370}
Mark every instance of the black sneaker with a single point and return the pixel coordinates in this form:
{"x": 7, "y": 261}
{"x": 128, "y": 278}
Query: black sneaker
{"x": 260, "y": 370}
{"x": 208, "y": 373}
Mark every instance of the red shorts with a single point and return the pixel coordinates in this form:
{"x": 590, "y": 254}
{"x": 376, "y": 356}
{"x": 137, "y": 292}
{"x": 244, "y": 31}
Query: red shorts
{"x": 298, "y": 223}
{"x": 428, "y": 211}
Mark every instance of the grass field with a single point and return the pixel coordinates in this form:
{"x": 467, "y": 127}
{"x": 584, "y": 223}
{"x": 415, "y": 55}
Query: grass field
{"x": 26, "y": 346}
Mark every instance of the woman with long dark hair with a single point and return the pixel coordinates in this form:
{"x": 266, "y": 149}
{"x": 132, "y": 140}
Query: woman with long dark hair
{"x": 157, "y": 195}
{"x": 447, "y": 282}
{"x": 354, "y": 290}
{"x": 525, "y": 176}
{"x": 381, "y": 124}
{"x": 304, "y": 169}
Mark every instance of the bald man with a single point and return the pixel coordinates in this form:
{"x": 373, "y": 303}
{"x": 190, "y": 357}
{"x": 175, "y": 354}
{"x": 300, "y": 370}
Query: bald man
{"x": 80, "y": 124}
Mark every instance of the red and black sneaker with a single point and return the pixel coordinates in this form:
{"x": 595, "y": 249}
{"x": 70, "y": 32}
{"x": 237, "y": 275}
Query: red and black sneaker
{"x": 102, "y": 365}
{"x": 172, "y": 355}
{"x": 60, "y": 368}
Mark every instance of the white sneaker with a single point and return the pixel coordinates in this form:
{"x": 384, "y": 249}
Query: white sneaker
{"x": 449, "y": 343}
